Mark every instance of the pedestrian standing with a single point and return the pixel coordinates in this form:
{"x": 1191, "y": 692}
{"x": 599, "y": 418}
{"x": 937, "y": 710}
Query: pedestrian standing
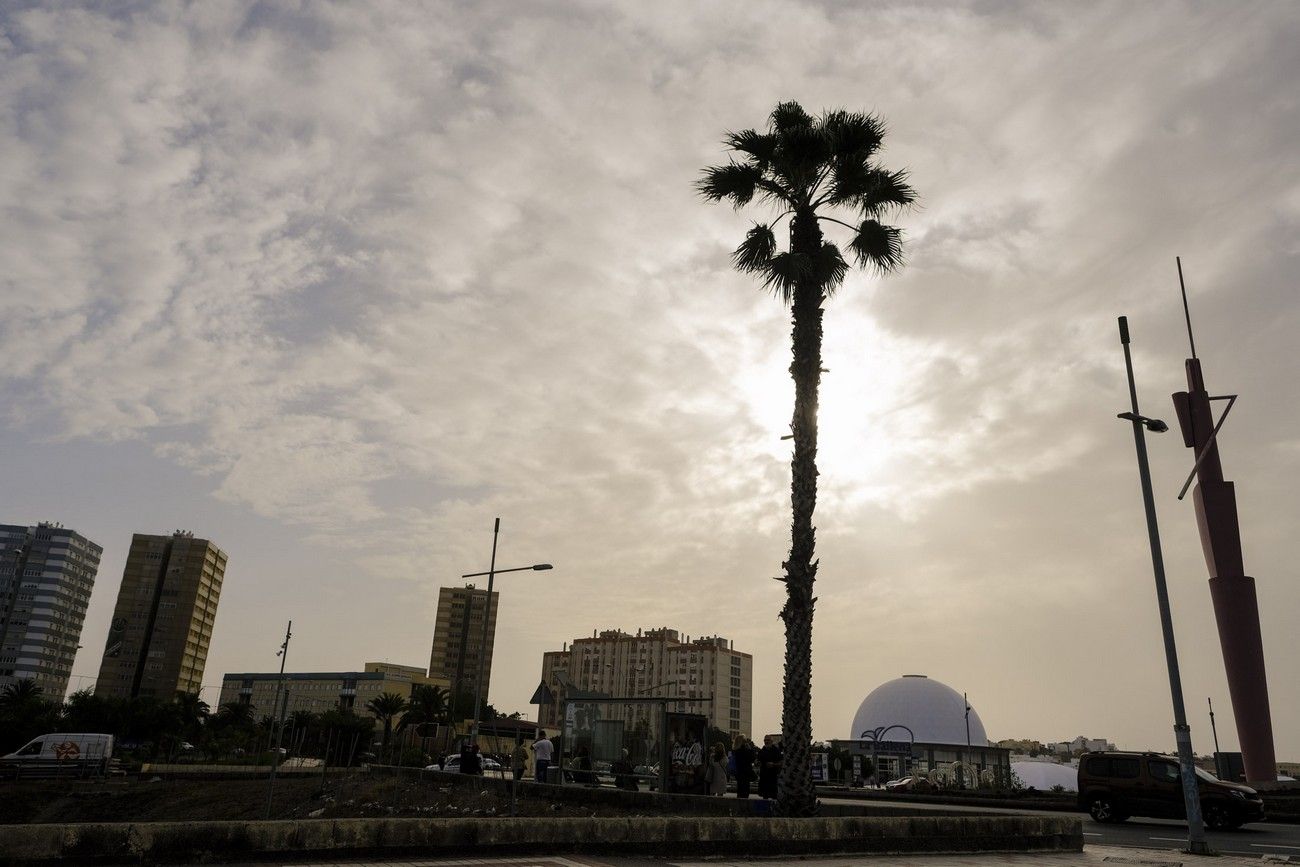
{"x": 519, "y": 759}
{"x": 543, "y": 752}
{"x": 715, "y": 775}
{"x": 769, "y": 768}
{"x": 743, "y": 754}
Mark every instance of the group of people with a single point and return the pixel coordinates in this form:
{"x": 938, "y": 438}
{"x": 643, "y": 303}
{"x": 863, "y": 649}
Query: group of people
{"x": 745, "y": 764}
{"x": 543, "y": 753}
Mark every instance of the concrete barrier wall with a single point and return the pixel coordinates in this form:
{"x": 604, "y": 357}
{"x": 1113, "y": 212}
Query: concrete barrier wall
{"x": 200, "y": 842}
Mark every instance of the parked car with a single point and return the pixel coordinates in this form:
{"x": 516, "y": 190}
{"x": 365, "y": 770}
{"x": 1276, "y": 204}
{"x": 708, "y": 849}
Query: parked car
{"x": 1115, "y": 785}
{"x": 59, "y": 752}
{"x": 452, "y": 763}
{"x": 910, "y": 784}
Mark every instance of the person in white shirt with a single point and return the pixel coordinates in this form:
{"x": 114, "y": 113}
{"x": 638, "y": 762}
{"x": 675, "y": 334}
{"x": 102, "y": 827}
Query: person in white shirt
{"x": 543, "y": 752}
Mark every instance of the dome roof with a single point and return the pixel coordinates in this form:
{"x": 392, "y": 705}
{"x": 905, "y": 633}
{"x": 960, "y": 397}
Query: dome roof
{"x": 935, "y": 712}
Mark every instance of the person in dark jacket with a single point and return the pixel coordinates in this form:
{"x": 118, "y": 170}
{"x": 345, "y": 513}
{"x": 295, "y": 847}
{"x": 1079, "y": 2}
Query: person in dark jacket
{"x": 769, "y": 768}
{"x": 743, "y": 755}
{"x": 624, "y": 774}
{"x": 582, "y": 772}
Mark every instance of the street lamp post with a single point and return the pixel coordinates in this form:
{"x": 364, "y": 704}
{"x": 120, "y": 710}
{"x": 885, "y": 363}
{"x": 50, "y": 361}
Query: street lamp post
{"x": 1182, "y": 732}
{"x": 283, "y": 653}
{"x": 1214, "y": 729}
{"x": 492, "y": 572}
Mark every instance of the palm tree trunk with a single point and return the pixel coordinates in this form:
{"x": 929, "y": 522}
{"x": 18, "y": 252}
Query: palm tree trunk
{"x": 796, "y": 796}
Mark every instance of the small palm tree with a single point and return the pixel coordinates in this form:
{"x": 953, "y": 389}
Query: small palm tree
{"x": 428, "y": 705}
{"x": 193, "y": 713}
{"x": 385, "y": 707}
{"x": 236, "y": 714}
{"x": 20, "y": 693}
{"x": 807, "y": 167}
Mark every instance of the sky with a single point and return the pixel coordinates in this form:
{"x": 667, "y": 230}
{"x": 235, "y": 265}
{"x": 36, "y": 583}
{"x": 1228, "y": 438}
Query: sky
{"x": 337, "y": 284}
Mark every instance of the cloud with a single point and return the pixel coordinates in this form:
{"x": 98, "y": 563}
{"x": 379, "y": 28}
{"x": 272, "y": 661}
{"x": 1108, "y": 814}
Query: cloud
{"x": 380, "y": 272}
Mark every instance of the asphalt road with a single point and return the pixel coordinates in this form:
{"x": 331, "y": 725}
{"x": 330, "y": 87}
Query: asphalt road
{"x": 1263, "y": 838}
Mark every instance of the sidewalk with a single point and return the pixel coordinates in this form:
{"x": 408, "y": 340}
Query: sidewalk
{"x": 1092, "y": 856}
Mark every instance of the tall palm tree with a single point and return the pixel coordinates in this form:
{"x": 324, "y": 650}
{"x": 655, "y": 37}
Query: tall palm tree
{"x": 807, "y": 168}
{"x": 385, "y": 707}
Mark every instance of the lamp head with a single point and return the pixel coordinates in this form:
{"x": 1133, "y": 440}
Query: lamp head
{"x": 542, "y": 567}
{"x": 1154, "y": 425}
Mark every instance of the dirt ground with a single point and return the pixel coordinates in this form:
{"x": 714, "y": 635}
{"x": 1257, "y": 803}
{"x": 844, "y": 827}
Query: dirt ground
{"x": 351, "y": 796}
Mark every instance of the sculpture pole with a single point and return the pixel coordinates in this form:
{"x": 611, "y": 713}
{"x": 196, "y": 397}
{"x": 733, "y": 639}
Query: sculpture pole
{"x": 1236, "y": 608}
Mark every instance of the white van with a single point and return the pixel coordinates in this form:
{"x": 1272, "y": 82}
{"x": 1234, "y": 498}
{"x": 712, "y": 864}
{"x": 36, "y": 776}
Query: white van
{"x": 67, "y": 752}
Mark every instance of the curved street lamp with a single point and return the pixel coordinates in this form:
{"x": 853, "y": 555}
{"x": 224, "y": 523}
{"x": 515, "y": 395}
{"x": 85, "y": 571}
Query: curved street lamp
{"x": 492, "y": 572}
{"x": 1196, "y": 842}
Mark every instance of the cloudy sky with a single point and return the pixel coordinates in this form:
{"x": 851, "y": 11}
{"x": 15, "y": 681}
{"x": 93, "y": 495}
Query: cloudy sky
{"x": 337, "y": 284}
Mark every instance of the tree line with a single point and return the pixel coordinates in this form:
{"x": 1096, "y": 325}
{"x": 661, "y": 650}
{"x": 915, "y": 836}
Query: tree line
{"x": 160, "y": 730}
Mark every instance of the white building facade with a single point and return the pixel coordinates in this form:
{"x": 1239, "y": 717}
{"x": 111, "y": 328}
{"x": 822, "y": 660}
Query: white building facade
{"x": 46, "y": 574}
{"x": 708, "y": 675}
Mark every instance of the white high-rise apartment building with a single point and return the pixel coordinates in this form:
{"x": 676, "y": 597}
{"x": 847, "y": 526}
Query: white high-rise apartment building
{"x": 711, "y": 676}
{"x": 46, "y": 575}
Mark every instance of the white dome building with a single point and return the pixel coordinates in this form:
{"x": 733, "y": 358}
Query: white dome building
{"x": 934, "y": 711}
{"x": 936, "y": 716}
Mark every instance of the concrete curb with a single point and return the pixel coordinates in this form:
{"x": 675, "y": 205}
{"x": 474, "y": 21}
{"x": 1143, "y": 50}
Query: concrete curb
{"x": 208, "y": 842}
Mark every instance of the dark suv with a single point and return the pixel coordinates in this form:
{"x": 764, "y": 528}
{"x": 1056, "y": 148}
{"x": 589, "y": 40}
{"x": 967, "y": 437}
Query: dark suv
{"x": 1116, "y": 785}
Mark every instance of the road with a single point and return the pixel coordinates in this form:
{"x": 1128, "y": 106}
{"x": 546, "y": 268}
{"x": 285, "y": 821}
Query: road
{"x": 1263, "y": 838}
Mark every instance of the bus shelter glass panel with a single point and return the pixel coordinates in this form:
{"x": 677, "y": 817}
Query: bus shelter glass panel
{"x": 613, "y": 742}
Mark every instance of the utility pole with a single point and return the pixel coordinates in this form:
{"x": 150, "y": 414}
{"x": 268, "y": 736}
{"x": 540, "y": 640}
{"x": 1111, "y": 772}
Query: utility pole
{"x": 1196, "y": 844}
{"x": 283, "y": 653}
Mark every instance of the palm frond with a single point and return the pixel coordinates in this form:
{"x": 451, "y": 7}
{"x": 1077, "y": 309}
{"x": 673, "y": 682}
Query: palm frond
{"x": 853, "y": 133}
{"x": 755, "y": 253}
{"x": 885, "y": 191}
{"x": 850, "y": 179}
{"x": 799, "y": 157}
{"x": 878, "y": 247}
{"x": 828, "y": 268}
{"x": 783, "y": 273}
{"x": 790, "y": 115}
{"x": 734, "y": 181}
{"x": 758, "y": 145}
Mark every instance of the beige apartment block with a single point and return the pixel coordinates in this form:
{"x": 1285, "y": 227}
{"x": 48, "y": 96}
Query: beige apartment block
{"x": 708, "y": 674}
{"x": 318, "y": 692}
{"x": 162, "y": 624}
{"x": 458, "y": 640}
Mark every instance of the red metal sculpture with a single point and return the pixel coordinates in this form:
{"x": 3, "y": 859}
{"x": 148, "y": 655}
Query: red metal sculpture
{"x": 1236, "y": 608}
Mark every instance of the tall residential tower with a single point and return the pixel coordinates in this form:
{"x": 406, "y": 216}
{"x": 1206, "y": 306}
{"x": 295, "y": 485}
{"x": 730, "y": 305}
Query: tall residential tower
{"x": 46, "y": 575}
{"x": 458, "y": 639}
{"x": 162, "y": 624}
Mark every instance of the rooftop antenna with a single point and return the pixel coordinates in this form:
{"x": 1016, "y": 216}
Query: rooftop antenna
{"x": 1186, "y": 313}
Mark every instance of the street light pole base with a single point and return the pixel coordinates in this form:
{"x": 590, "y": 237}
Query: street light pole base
{"x": 1200, "y": 847}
